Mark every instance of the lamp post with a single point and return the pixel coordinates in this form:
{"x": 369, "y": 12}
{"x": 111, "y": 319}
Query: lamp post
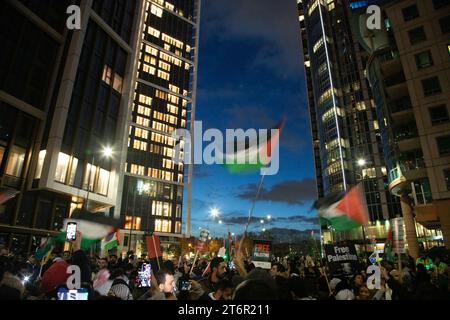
{"x": 361, "y": 163}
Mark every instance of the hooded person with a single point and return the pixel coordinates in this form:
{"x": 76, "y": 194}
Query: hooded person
{"x": 55, "y": 276}
{"x": 11, "y": 288}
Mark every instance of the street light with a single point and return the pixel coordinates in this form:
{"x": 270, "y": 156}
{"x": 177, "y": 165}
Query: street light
{"x": 214, "y": 212}
{"x": 361, "y": 162}
{"x": 264, "y": 229}
{"x": 107, "y": 152}
{"x": 220, "y": 221}
{"x": 269, "y": 217}
{"x": 262, "y": 221}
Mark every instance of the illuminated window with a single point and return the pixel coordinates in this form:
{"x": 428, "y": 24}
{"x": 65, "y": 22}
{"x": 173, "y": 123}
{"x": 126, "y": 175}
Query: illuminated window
{"x": 178, "y": 227}
{"x": 188, "y": 48}
{"x": 184, "y": 103}
{"x": 164, "y": 66}
{"x": 73, "y": 170}
{"x": 173, "y": 99}
{"x": 154, "y": 32}
{"x": 151, "y": 50}
{"x": 15, "y": 161}
{"x": 107, "y": 75}
{"x": 133, "y": 223}
{"x": 369, "y": 173}
{"x": 161, "y": 94}
{"x": 375, "y": 125}
{"x": 170, "y": 6}
{"x": 167, "y": 46}
{"x": 174, "y": 88}
{"x": 103, "y": 181}
{"x": 40, "y": 163}
{"x": 117, "y": 85}
{"x": 178, "y": 210}
{"x": 145, "y": 99}
{"x": 61, "y": 167}
{"x": 163, "y": 75}
{"x": 142, "y": 121}
{"x": 150, "y": 59}
{"x": 317, "y": 45}
{"x": 186, "y": 66}
{"x": 148, "y": 69}
{"x": 141, "y": 133}
{"x": 157, "y": 11}
{"x": 180, "y": 178}
{"x": 89, "y": 177}
{"x": 172, "y": 41}
{"x": 185, "y": 93}
{"x": 360, "y": 105}
{"x": 312, "y": 7}
{"x": 170, "y": 59}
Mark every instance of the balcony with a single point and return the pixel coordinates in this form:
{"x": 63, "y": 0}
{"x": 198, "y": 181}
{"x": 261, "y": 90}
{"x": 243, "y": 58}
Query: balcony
{"x": 395, "y": 79}
{"x": 400, "y": 105}
{"x": 390, "y": 63}
{"x": 395, "y": 86}
{"x": 400, "y": 177}
{"x": 404, "y": 132}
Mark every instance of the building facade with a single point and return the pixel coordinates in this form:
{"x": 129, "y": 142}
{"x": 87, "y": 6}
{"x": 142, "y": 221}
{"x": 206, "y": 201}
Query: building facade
{"x": 152, "y": 189}
{"x": 64, "y": 98}
{"x": 344, "y": 123}
{"x": 408, "y": 70}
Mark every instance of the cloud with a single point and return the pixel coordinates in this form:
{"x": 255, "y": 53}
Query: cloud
{"x": 298, "y": 218}
{"x": 290, "y": 192}
{"x": 273, "y": 22}
{"x": 200, "y": 172}
{"x": 199, "y": 204}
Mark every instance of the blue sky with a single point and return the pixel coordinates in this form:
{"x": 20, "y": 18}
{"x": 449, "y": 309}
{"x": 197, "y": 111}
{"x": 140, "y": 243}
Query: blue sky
{"x": 250, "y": 75}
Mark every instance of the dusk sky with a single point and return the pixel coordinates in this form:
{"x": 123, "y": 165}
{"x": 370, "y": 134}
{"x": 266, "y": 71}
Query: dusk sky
{"x": 250, "y": 76}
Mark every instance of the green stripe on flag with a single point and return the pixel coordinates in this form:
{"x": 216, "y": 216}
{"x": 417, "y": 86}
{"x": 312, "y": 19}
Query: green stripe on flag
{"x": 339, "y": 223}
{"x": 111, "y": 245}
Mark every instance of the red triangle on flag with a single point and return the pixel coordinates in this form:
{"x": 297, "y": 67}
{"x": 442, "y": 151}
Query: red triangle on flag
{"x": 353, "y": 204}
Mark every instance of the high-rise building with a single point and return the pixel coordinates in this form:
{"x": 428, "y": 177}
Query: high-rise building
{"x": 152, "y": 189}
{"x": 345, "y": 127}
{"x": 64, "y": 97}
{"x": 408, "y": 69}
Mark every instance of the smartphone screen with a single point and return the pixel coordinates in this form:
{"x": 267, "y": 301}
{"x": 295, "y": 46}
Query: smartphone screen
{"x": 80, "y": 294}
{"x": 71, "y": 231}
{"x": 185, "y": 285}
{"x": 144, "y": 276}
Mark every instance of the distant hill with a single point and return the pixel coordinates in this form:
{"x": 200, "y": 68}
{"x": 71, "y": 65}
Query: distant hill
{"x": 284, "y": 235}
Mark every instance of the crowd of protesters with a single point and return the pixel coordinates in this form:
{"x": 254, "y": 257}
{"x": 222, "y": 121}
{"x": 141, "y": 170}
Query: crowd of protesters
{"x": 293, "y": 278}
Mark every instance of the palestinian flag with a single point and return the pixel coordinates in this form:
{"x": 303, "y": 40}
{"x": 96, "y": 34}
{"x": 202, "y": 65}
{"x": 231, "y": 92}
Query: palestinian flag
{"x": 45, "y": 248}
{"x": 247, "y": 156}
{"x": 7, "y": 194}
{"x": 344, "y": 211}
{"x": 388, "y": 254}
{"x": 112, "y": 241}
{"x": 93, "y": 227}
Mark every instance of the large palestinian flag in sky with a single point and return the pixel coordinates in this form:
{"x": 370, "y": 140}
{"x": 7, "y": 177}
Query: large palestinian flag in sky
{"x": 344, "y": 211}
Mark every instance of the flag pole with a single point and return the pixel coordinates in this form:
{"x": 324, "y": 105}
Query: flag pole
{"x": 320, "y": 262}
{"x": 193, "y": 263}
{"x": 250, "y": 213}
{"x": 156, "y": 252}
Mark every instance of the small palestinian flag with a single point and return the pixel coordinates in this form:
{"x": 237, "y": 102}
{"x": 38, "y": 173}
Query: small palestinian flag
{"x": 388, "y": 253}
{"x": 93, "y": 226}
{"x": 7, "y": 194}
{"x": 252, "y": 155}
{"x": 344, "y": 211}
{"x": 112, "y": 241}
